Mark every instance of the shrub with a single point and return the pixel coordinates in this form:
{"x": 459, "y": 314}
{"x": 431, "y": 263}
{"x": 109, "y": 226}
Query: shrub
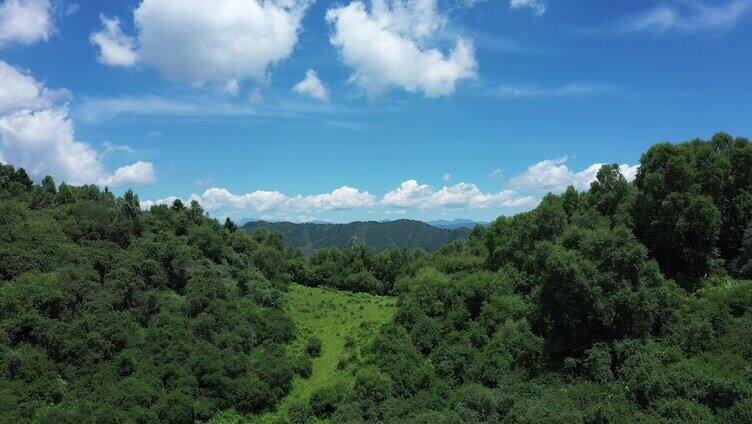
{"x": 303, "y": 366}
{"x": 326, "y": 400}
{"x": 313, "y": 347}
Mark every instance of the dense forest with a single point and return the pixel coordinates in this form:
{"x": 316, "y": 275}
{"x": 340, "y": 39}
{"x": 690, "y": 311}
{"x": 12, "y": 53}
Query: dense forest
{"x": 111, "y": 315}
{"x": 630, "y": 302}
{"x": 379, "y": 236}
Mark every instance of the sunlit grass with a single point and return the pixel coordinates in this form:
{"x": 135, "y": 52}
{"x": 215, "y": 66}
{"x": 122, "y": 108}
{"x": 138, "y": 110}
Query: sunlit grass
{"x": 344, "y": 322}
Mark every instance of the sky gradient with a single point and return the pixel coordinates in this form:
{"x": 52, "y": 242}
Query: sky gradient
{"x": 342, "y": 111}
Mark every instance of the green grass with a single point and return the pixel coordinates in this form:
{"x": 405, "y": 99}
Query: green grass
{"x": 333, "y": 316}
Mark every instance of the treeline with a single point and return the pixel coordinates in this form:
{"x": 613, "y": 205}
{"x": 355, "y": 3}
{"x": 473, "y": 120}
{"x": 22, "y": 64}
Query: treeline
{"x": 625, "y": 303}
{"x": 113, "y": 315}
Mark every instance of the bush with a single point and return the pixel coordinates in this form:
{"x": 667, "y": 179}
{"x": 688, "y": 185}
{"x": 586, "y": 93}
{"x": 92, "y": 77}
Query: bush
{"x": 313, "y": 347}
{"x": 299, "y": 413}
{"x": 303, "y": 366}
{"x": 325, "y": 401}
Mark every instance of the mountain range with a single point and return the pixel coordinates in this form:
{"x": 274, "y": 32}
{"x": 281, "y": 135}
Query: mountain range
{"x": 403, "y": 233}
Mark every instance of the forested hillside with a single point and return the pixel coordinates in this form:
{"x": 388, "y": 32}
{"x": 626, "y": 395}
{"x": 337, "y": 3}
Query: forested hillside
{"x": 626, "y": 303}
{"x": 111, "y": 314}
{"x": 630, "y": 302}
{"x": 379, "y": 236}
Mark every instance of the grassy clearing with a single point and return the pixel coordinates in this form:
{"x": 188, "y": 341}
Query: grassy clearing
{"x": 344, "y": 322}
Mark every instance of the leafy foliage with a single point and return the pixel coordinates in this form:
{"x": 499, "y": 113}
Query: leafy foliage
{"x": 108, "y": 313}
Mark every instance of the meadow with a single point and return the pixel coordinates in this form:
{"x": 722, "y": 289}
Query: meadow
{"x": 344, "y": 322}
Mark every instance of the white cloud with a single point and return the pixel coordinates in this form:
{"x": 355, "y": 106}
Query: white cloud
{"x": 115, "y": 48}
{"x": 342, "y": 198}
{"x": 39, "y": 136}
{"x": 408, "y": 194}
{"x": 197, "y": 41}
{"x": 537, "y": 6}
{"x": 147, "y": 204}
{"x": 446, "y": 177}
{"x": 629, "y": 171}
{"x": 19, "y": 90}
{"x": 260, "y": 200}
{"x": 555, "y": 175}
{"x": 411, "y": 194}
{"x": 137, "y": 174}
{"x": 43, "y": 142}
{"x": 388, "y": 47}
{"x": 312, "y": 86}
{"x": 25, "y": 21}
{"x": 418, "y": 19}
{"x": 573, "y": 89}
{"x": 495, "y": 173}
{"x": 154, "y": 134}
{"x": 689, "y": 16}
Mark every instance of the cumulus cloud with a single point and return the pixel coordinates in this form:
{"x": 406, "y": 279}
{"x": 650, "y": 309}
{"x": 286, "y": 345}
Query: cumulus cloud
{"x": 137, "y": 174}
{"x": 629, "y": 171}
{"x": 390, "y": 46}
{"x": 197, "y": 41}
{"x": 555, "y": 175}
{"x": 342, "y": 198}
{"x": 312, "y": 86}
{"x": 25, "y": 21}
{"x": 686, "y": 17}
{"x": 43, "y": 142}
{"x": 411, "y": 194}
{"x": 19, "y": 90}
{"x": 264, "y": 201}
{"x": 537, "y": 6}
{"x": 39, "y": 136}
{"x": 115, "y": 48}
{"x": 260, "y": 200}
{"x": 147, "y": 204}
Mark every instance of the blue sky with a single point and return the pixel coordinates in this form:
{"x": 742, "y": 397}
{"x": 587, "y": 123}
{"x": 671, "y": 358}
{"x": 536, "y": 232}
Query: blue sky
{"x": 299, "y": 110}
